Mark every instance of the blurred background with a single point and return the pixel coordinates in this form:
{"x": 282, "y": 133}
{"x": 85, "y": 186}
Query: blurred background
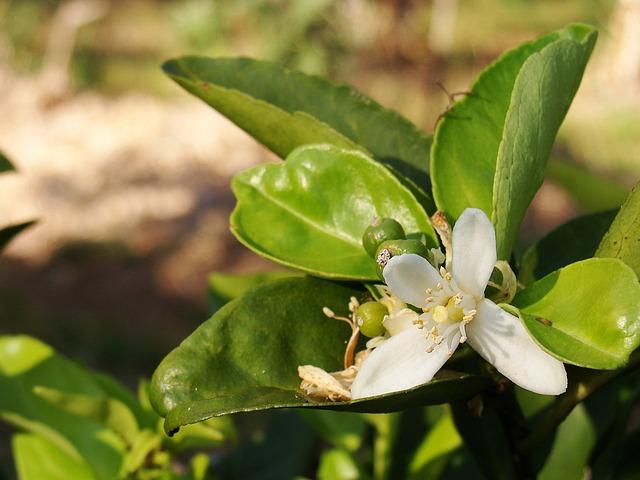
{"x": 128, "y": 175}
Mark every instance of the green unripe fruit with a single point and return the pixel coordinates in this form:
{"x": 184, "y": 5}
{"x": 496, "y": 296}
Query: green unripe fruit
{"x": 393, "y": 248}
{"x": 369, "y": 318}
{"x": 380, "y": 231}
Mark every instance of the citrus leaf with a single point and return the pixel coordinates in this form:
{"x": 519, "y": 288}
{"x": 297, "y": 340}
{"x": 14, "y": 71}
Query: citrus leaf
{"x": 285, "y": 109}
{"x": 623, "y": 238}
{"x": 311, "y": 211}
{"x": 491, "y": 148}
{"x": 586, "y": 314}
{"x": 245, "y": 357}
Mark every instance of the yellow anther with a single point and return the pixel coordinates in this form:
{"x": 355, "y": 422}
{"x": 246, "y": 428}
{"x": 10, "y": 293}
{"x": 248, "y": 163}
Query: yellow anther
{"x": 429, "y": 291}
{"x": 430, "y": 349}
{"x": 439, "y": 286}
{"x": 328, "y": 312}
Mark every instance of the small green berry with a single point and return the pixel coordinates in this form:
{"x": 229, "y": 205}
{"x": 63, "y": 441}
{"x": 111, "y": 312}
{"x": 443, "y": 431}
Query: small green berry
{"x": 380, "y": 231}
{"x": 369, "y": 318}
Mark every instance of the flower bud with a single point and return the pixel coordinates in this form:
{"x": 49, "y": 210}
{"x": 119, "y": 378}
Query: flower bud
{"x": 369, "y": 318}
{"x": 380, "y": 231}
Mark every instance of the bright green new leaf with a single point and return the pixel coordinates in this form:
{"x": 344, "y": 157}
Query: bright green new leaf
{"x": 109, "y": 412}
{"x": 311, "y": 211}
{"x": 586, "y": 314}
{"x": 433, "y": 454}
{"x": 246, "y": 357}
{"x": 37, "y": 458}
{"x": 284, "y": 109}
{"x": 26, "y": 363}
{"x": 578, "y": 239}
{"x": 490, "y": 149}
{"x": 623, "y": 238}
{"x": 341, "y": 429}
{"x": 591, "y": 191}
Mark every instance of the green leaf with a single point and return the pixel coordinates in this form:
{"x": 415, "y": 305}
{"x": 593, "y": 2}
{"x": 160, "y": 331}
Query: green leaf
{"x": 341, "y": 429}
{"x": 5, "y": 164}
{"x": 578, "y": 239}
{"x": 591, "y": 191}
{"x": 26, "y": 363}
{"x": 224, "y": 287}
{"x": 586, "y": 314}
{"x": 107, "y": 411}
{"x": 490, "y": 149}
{"x": 571, "y": 448}
{"x": 246, "y": 357}
{"x": 623, "y": 238}
{"x": 311, "y": 211}
{"x": 7, "y": 233}
{"x": 284, "y": 109}
{"x": 37, "y": 458}
{"x": 337, "y": 464}
{"x": 433, "y": 454}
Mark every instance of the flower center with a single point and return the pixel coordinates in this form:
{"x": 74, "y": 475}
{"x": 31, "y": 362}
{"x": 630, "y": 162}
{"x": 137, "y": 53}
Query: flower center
{"x": 450, "y": 312}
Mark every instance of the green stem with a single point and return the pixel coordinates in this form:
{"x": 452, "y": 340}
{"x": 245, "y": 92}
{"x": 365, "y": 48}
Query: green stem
{"x": 578, "y": 391}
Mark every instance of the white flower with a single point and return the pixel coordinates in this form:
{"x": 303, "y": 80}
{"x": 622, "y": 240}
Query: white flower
{"x": 455, "y": 311}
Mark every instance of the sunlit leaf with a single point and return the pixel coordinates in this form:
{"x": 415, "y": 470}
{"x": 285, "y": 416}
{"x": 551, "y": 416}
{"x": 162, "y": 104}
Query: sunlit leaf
{"x": 490, "y": 149}
{"x": 284, "y": 109}
{"x": 587, "y": 313}
{"x": 311, "y": 211}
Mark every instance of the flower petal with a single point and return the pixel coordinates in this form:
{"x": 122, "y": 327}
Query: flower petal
{"x": 408, "y": 277}
{"x": 401, "y": 362}
{"x": 397, "y": 322}
{"x": 474, "y": 251}
{"x": 503, "y": 341}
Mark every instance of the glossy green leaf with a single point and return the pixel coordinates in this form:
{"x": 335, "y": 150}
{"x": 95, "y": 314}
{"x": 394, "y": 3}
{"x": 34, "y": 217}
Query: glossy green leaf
{"x": 490, "y": 149}
{"x": 26, "y": 363}
{"x": 578, "y": 239}
{"x": 593, "y": 192}
{"x": 586, "y": 314}
{"x": 623, "y": 238}
{"x": 337, "y": 464}
{"x": 224, "y": 287}
{"x": 5, "y": 164}
{"x": 572, "y": 446}
{"x": 246, "y": 356}
{"x": 311, "y": 211}
{"x": 37, "y": 458}
{"x": 7, "y": 233}
{"x": 284, "y": 109}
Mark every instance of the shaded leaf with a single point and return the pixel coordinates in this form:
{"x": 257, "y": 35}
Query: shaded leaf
{"x": 623, "y": 238}
{"x": 284, "y": 109}
{"x": 310, "y": 212}
{"x": 490, "y": 149}
{"x": 246, "y": 356}
{"x": 342, "y": 429}
{"x": 432, "y": 456}
{"x": 578, "y": 239}
{"x": 5, "y": 164}
{"x": 337, "y": 464}
{"x": 586, "y": 314}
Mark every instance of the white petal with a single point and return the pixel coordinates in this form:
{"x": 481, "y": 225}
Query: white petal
{"x": 408, "y": 277}
{"x": 400, "y": 363}
{"x": 474, "y": 251}
{"x": 397, "y": 322}
{"x": 504, "y": 342}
